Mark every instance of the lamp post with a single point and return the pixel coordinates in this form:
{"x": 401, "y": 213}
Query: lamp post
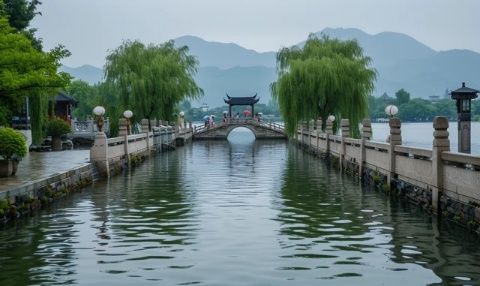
{"x": 99, "y": 111}
{"x": 128, "y": 114}
{"x": 99, "y": 151}
{"x": 329, "y": 126}
{"x": 331, "y": 118}
{"x": 182, "y": 119}
{"x": 464, "y": 96}
{"x": 391, "y": 110}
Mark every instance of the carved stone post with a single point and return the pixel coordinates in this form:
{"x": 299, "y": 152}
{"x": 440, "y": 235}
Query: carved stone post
{"x": 123, "y": 132}
{"x": 395, "y": 139}
{"x": 366, "y": 136}
{"x": 367, "y": 129}
{"x": 122, "y": 127}
{"x": 329, "y": 133}
{"x": 319, "y": 130}
{"x": 99, "y": 154}
{"x": 318, "y": 124}
{"x": 145, "y": 129}
{"x": 441, "y": 143}
{"x": 144, "y": 124}
{"x": 345, "y": 126}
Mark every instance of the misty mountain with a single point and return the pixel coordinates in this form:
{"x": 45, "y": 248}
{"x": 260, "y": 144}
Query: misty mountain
{"x": 87, "y": 73}
{"x": 237, "y": 81}
{"x": 225, "y": 55}
{"x": 401, "y": 62}
{"x": 385, "y": 49}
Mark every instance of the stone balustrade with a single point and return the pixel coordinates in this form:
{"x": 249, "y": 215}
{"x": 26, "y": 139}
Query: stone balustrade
{"x": 114, "y": 153}
{"x": 441, "y": 180}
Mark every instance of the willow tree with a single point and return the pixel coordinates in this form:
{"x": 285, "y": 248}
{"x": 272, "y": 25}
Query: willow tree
{"x": 324, "y": 77}
{"x": 27, "y": 72}
{"x": 151, "y": 80}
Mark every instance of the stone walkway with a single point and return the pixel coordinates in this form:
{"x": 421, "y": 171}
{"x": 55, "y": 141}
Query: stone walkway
{"x": 36, "y": 166}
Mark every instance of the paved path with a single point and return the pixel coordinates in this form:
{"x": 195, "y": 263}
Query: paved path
{"x": 44, "y": 164}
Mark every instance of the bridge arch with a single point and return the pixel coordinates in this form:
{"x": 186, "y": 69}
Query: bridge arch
{"x": 247, "y": 126}
{"x": 261, "y": 130}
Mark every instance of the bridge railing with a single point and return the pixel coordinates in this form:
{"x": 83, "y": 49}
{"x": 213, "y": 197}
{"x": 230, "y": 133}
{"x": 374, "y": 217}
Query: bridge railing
{"x": 87, "y": 128}
{"x": 241, "y": 121}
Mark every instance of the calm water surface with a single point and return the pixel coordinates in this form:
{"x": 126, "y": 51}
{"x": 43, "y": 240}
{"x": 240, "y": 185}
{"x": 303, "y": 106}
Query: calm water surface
{"x": 238, "y": 213}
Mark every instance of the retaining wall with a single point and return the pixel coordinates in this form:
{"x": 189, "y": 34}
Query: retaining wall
{"x": 444, "y": 182}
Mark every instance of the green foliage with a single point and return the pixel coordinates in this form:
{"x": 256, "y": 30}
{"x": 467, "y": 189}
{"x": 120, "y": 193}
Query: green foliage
{"x": 26, "y": 71}
{"x": 412, "y": 110}
{"x": 326, "y": 76}
{"x": 57, "y": 127}
{"x": 86, "y": 95}
{"x": 12, "y": 143}
{"x": 20, "y": 12}
{"x": 108, "y": 98}
{"x": 151, "y": 80}
{"x": 402, "y": 96}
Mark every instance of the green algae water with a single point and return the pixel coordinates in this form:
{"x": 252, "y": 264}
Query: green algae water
{"x": 242, "y": 212}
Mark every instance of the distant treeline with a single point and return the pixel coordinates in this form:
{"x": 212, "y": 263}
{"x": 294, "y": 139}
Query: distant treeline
{"x": 417, "y": 109}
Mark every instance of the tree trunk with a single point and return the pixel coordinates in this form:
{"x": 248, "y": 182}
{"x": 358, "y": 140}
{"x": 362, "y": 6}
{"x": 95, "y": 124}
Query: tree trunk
{"x": 56, "y": 143}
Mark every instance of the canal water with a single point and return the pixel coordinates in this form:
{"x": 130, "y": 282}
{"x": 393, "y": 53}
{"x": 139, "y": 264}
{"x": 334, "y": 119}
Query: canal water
{"x": 242, "y": 212}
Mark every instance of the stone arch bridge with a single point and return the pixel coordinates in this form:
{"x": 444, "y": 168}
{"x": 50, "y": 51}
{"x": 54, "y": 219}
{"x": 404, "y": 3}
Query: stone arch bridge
{"x": 261, "y": 130}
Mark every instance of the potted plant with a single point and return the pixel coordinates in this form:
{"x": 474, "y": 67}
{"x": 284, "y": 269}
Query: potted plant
{"x": 13, "y": 147}
{"x": 57, "y": 128}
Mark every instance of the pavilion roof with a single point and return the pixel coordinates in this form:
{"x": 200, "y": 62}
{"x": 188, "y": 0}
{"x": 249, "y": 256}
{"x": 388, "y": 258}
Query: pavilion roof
{"x": 241, "y": 100}
{"x": 464, "y": 92}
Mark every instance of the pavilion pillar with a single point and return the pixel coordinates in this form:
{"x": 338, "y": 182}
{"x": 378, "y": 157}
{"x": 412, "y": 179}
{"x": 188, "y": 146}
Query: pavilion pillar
{"x": 253, "y": 110}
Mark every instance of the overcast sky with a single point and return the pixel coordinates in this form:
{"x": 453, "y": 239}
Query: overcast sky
{"x": 89, "y": 28}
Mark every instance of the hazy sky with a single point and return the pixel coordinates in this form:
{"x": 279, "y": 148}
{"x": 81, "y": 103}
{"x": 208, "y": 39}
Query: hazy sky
{"x": 89, "y": 28}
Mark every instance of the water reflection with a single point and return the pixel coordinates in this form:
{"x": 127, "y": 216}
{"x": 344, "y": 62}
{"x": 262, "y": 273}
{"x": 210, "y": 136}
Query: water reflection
{"x": 235, "y": 213}
{"x": 447, "y": 249}
{"x": 34, "y": 251}
{"x": 149, "y": 219}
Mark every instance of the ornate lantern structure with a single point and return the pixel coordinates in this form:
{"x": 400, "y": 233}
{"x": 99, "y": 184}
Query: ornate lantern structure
{"x": 464, "y": 96}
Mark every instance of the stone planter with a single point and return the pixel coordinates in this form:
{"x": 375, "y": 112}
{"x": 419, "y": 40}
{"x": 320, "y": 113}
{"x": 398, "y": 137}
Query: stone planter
{"x": 56, "y": 144}
{"x": 5, "y": 168}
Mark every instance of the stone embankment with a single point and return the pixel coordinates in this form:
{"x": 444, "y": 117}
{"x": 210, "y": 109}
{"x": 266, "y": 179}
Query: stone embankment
{"x": 443, "y": 182}
{"x": 108, "y": 156}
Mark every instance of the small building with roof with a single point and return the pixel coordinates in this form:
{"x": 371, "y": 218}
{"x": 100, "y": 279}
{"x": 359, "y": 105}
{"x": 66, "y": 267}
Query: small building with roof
{"x": 232, "y": 101}
{"x": 63, "y": 105}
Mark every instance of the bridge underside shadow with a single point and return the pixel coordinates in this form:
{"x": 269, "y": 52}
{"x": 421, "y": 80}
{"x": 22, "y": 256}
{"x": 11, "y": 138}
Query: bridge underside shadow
{"x": 261, "y": 130}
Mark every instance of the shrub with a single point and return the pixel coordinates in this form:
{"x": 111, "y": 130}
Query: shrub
{"x": 57, "y": 127}
{"x": 12, "y": 143}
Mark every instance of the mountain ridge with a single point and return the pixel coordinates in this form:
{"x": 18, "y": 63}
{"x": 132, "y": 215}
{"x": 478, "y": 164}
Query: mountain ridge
{"x": 401, "y": 62}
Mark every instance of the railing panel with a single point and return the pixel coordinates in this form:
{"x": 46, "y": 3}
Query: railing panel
{"x": 414, "y": 151}
{"x": 460, "y": 158}
{"x": 116, "y": 151}
{"x": 462, "y": 184}
{"x": 414, "y": 169}
{"x": 377, "y": 158}
{"x": 352, "y": 151}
